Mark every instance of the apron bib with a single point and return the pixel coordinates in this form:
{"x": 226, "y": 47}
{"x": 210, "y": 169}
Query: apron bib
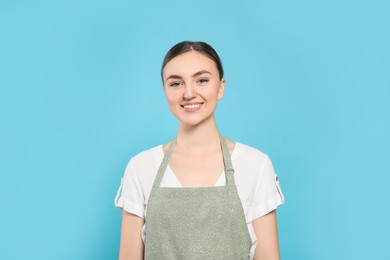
{"x": 196, "y": 222}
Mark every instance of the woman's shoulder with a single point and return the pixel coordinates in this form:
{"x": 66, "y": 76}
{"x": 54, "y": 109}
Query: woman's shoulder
{"x": 147, "y": 156}
{"x": 250, "y": 153}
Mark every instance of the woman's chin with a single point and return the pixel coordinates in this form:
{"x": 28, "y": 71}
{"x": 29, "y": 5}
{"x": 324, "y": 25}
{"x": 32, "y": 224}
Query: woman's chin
{"x": 194, "y": 122}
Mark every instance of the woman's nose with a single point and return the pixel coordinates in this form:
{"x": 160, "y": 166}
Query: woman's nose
{"x": 188, "y": 92}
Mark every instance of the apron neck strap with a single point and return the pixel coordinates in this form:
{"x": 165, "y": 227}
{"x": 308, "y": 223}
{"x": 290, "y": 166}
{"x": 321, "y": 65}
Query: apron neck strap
{"x": 164, "y": 164}
{"x": 227, "y": 161}
{"x": 229, "y": 171}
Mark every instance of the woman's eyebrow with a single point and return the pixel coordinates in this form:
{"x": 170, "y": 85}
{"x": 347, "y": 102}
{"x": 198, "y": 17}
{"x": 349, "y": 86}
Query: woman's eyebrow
{"x": 194, "y": 75}
{"x": 173, "y": 77}
{"x": 200, "y": 73}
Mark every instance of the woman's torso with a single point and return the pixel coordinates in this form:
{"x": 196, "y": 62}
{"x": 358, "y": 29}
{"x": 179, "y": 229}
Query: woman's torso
{"x": 252, "y": 167}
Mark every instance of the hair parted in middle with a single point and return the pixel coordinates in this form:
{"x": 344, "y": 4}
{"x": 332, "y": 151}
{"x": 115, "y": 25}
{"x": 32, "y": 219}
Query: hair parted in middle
{"x": 187, "y": 46}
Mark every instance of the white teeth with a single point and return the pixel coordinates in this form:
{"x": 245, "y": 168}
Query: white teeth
{"x": 192, "y": 106}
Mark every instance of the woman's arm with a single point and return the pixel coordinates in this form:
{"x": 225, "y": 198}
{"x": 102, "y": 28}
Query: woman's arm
{"x": 131, "y": 245}
{"x": 266, "y": 231}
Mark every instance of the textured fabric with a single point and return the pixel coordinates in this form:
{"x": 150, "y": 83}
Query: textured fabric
{"x": 255, "y": 178}
{"x": 196, "y": 222}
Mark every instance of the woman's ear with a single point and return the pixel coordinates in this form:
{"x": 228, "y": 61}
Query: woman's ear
{"x": 221, "y": 90}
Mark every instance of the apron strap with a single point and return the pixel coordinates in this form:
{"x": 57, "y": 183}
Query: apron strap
{"x": 164, "y": 164}
{"x": 227, "y": 161}
{"x": 229, "y": 171}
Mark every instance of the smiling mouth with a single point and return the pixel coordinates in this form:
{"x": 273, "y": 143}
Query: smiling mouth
{"x": 192, "y": 107}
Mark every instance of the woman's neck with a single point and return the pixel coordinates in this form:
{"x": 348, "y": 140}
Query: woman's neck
{"x": 200, "y": 138}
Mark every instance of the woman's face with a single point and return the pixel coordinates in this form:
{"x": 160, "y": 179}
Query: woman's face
{"x": 192, "y": 87}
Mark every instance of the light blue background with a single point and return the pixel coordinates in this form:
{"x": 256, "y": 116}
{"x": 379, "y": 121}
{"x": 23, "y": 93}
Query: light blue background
{"x": 307, "y": 82}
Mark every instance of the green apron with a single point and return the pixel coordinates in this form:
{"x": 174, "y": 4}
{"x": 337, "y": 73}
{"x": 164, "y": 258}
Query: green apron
{"x": 188, "y": 223}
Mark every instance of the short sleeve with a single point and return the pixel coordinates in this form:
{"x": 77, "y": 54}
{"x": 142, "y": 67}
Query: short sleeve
{"x": 268, "y": 193}
{"x": 129, "y": 196}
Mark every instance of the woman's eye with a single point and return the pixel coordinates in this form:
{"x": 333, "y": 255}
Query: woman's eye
{"x": 203, "y": 81}
{"x": 174, "y": 84}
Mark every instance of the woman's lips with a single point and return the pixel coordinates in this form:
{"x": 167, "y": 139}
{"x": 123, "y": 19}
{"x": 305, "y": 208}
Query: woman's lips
{"x": 191, "y": 107}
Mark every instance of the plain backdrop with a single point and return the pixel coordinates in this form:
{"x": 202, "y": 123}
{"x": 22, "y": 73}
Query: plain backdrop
{"x": 308, "y": 83}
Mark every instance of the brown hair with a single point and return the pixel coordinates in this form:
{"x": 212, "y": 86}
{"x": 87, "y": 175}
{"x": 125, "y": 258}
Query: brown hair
{"x": 186, "y": 46}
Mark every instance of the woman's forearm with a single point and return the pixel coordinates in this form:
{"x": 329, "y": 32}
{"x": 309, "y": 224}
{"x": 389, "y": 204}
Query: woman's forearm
{"x": 131, "y": 244}
{"x": 266, "y": 231}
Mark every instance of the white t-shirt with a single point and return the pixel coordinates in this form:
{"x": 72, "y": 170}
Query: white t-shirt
{"x": 257, "y": 183}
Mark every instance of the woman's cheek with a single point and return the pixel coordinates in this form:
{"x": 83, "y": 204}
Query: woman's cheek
{"x": 170, "y": 98}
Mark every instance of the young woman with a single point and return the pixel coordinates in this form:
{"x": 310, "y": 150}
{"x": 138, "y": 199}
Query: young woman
{"x": 200, "y": 196}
